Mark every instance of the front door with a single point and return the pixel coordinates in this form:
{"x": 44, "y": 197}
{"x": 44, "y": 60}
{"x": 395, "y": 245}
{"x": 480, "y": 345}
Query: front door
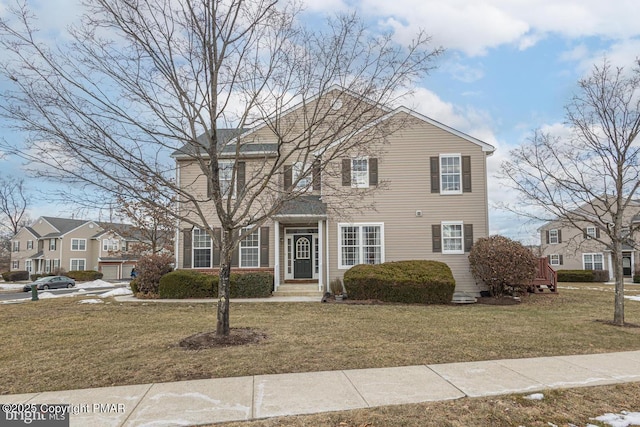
{"x": 302, "y": 256}
{"x": 626, "y": 265}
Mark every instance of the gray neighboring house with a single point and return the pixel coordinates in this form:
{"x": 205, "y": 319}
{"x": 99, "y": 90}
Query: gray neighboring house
{"x": 53, "y": 244}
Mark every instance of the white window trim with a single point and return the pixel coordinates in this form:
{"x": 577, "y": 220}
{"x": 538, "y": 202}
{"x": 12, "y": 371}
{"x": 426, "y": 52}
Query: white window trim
{"x": 55, "y": 244}
{"x": 557, "y": 259}
{"x": 15, "y": 247}
{"x": 354, "y": 182}
{"x": 449, "y": 252}
{"x": 361, "y": 245}
{"x": 84, "y": 260}
{"x": 111, "y": 242}
{"x": 193, "y": 250}
{"x": 551, "y": 242}
{"x": 79, "y": 250}
{"x": 301, "y": 168}
{"x": 29, "y": 245}
{"x": 247, "y": 247}
{"x": 28, "y": 265}
{"x": 591, "y": 232}
{"x": 445, "y": 155}
{"x": 593, "y": 261}
{"x": 15, "y": 264}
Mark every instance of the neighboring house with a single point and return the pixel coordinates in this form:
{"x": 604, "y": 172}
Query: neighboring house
{"x": 59, "y": 244}
{"x": 431, "y": 204}
{"x": 569, "y": 248}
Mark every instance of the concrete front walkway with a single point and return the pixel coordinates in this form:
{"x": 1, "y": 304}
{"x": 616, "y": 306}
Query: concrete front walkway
{"x": 263, "y": 396}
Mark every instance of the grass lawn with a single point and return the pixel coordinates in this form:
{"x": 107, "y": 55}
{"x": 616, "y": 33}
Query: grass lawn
{"x": 58, "y": 344}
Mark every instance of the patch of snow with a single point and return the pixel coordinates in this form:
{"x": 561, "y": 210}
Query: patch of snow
{"x": 622, "y": 419}
{"x": 45, "y": 295}
{"x": 91, "y": 301}
{"x": 116, "y": 292}
{"x": 633, "y": 298}
{"x": 11, "y": 286}
{"x": 535, "y": 396}
{"x": 94, "y": 284}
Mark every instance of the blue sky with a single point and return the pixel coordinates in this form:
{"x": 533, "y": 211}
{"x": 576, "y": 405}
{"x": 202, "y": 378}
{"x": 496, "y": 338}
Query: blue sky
{"x": 509, "y": 67}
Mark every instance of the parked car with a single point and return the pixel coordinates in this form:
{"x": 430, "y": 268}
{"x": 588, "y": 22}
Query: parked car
{"x": 51, "y": 282}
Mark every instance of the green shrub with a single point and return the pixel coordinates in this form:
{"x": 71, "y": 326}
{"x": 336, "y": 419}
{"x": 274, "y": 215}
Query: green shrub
{"x": 188, "y": 284}
{"x": 35, "y": 276}
{"x": 15, "y": 276}
{"x": 575, "y": 276}
{"x": 422, "y": 282}
{"x": 150, "y": 269}
{"x": 84, "y": 275}
{"x": 636, "y": 278}
{"x": 134, "y": 286}
{"x": 600, "y": 275}
{"x": 502, "y": 264}
{"x": 250, "y": 285}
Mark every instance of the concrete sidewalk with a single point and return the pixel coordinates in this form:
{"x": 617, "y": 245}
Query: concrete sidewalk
{"x": 263, "y": 396}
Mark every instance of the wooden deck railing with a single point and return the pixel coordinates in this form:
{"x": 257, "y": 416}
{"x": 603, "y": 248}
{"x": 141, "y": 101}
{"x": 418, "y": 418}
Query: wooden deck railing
{"x": 546, "y": 278}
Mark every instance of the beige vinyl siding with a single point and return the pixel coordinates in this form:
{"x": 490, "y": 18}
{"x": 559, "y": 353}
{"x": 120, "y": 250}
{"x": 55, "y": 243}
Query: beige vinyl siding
{"x": 90, "y": 254}
{"x": 405, "y": 168}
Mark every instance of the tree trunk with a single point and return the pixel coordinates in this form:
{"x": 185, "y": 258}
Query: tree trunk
{"x": 222, "y": 326}
{"x": 618, "y": 313}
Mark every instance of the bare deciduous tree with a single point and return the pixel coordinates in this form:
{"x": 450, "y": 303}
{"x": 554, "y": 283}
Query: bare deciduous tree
{"x": 13, "y": 204}
{"x": 590, "y": 177}
{"x": 139, "y": 80}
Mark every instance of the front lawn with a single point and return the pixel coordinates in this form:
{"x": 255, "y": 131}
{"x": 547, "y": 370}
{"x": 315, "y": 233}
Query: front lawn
{"x": 58, "y": 344}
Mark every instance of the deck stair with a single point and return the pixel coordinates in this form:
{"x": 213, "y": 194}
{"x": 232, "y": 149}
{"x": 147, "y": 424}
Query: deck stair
{"x": 546, "y": 280}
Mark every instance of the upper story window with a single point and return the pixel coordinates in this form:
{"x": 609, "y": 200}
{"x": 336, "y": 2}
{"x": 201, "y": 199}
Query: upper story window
{"x": 590, "y": 233}
{"x": 360, "y": 172}
{"x": 29, "y": 244}
{"x": 302, "y": 175}
{"x": 554, "y": 237}
{"x": 110, "y": 245}
{"x": 201, "y": 249}
{"x": 250, "y": 250}
{"x": 226, "y": 177}
{"x": 16, "y": 246}
{"x": 52, "y": 244}
{"x": 78, "y": 244}
{"x": 450, "y": 174}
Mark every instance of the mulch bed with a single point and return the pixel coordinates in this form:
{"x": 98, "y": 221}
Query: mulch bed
{"x": 237, "y": 336}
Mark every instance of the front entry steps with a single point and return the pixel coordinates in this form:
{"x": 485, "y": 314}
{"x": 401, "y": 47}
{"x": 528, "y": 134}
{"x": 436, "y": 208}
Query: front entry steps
{"x": 298, "y": 290}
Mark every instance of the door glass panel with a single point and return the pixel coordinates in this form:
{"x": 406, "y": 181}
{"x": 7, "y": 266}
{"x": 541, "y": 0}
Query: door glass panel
{"x": 303, "y": 248}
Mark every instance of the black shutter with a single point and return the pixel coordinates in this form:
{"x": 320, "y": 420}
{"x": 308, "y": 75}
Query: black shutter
{"x": 288, "y": 177}
{"x": 373, "y": 171}
{"x": 346, "y": 172}
{"x": 208, "y": 186}
{"x": 235, "y": 253}
{"x": 584, "y": 233}
{"x": 241, "y": 178}
{"x": 187, "y": 244}
{"x": 559, "y": 236}
{"x": 264, "y": 247}
{"x": 468, "y": 237}
{"x": 217, "y": 242}
{"x": 597, "y": 233}
{"x": 466, "y": 174}
{"x": 316, "y": 176}
{"x": 547, "y": 235}
{"x": 436, "y": 237}
{"x": 435, "y": 174}
{"x": 560, "y": 256}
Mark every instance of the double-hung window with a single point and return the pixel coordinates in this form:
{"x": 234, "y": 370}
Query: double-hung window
{"x": 29, "y": 244}
{"x": 450, "y": 174}
{"x": 554, "y": 259}
{"x": 452, "y": 238}
{"x": 110, "y": 245}
{"x": 78, "y": 244}
{"x": 553, "y": 237}
{"x": 78, "y": 264}
{"x": 360, "y": 172}
{"x": 226, "y": 177}
{"x": 591, "y": 232}
{"x": 201, "y": 249}
{"x": 360, "y": 244}
{"x": 593, "y": 261}
{"x": 52, "y": 244}
{"x": 250, "y": 250}
{"x": 302, "y": 175}
{"x": 16, "y": 246}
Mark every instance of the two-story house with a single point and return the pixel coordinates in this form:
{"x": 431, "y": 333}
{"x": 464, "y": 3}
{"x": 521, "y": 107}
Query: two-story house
{"x": 60, "y": 244}
{"x": 425, "y": 198}
{"x": 575, "y": 247}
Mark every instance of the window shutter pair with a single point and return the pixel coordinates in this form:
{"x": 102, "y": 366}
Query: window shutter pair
{"x": 373, "y": 172}
{"x": 560, "y": 260}
{"x": 559, "y": 236}
{"x": 315, "y": 176}
{"x": 436, "y": 237}
{"x": 241, "y": 176}
{"x": 465, "y": 172}
{"x": 585, "y": 235}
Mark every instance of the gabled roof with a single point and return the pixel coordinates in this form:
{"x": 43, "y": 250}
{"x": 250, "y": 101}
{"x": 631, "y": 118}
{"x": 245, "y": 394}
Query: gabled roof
{"x": 126, "y": 231}
{"x": 306, "y": 205}
{"x": 63, "y": 225}
{"x": 224, "y": 137}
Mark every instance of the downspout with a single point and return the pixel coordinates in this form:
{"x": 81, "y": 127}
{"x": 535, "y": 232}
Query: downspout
{"x": 176, "y": 240}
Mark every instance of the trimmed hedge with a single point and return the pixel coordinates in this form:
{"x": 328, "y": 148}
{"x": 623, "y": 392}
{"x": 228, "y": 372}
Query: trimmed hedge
{"x": 15, "y": 276}
{"x": 422, "y": 282}
{"x": 583, "y": 275}
{"x": 84, "y": 275}
{"x": 35, "y": 277}
{"x": 193, "y": 284}
{"x": 636, "y": 278}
